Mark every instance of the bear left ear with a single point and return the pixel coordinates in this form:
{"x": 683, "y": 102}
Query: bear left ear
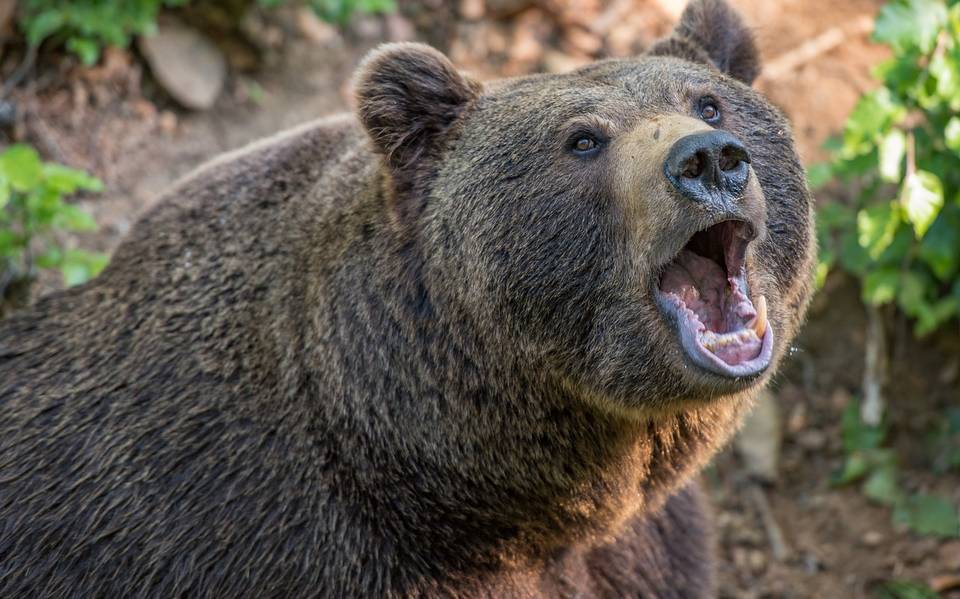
{"x": 408, "y": 95}
{"x": 710, "y": 31}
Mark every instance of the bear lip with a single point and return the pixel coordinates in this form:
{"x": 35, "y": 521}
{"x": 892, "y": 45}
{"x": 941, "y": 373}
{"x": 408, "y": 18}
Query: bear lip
{"x": 704, "y": 291}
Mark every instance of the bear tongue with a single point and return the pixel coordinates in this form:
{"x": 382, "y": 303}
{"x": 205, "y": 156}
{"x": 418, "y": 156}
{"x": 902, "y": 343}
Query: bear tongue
{"x": 700, "y": 283}
{"x": 730, "y": 326}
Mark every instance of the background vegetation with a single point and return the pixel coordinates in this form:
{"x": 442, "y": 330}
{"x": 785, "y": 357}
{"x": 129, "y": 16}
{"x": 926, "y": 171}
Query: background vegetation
{"x": 882, "y": 444}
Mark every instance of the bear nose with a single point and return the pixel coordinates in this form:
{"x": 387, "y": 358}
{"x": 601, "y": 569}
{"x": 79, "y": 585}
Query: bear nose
{"x": 702, "y": 165}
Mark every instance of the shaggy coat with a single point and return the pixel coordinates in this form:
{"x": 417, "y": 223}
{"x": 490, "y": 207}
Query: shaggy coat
{"x": 411, "y": 352}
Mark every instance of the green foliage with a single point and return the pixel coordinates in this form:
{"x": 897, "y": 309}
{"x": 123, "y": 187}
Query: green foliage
{"x": 341, "y": 11}
{"x": 905, "y": 589}
{"x": 875, "y": 467}
{"x": 86, "y": 26}
{"x": 946, "y": 442}
{"x": 32, "y": 208}
{"x": 901, "y": 148}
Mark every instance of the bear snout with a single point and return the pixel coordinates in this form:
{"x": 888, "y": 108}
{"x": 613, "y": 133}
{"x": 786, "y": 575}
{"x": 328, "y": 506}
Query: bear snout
{"x": 706, "y": 166}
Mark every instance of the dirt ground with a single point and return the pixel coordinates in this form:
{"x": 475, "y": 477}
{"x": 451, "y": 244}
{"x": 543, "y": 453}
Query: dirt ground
{"x": 115, "y": 121}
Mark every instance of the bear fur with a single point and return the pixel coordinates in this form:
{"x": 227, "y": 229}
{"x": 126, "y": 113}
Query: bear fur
{"x": 410, "y": 352}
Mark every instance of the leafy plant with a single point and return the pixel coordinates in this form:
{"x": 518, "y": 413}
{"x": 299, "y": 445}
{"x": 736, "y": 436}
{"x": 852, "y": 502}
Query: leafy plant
{"x": 875, "y": 467}
{"x": 341, "y": 11}
{"x": 32, "y": 208}
{"x": 901, "y": 148}
{"x": 86, "y": 26}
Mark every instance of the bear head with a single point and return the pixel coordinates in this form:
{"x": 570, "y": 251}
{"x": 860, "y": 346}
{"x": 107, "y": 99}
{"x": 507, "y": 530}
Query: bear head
{"x": 638, "y": 229}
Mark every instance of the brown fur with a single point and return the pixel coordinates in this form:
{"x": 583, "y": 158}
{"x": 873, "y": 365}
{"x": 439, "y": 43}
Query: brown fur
{"x": 411, "y": 356}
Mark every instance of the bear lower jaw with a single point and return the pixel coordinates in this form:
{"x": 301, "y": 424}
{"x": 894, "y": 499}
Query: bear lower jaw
{"x": 736, "y": 354}
{"x": 704, "y": 291}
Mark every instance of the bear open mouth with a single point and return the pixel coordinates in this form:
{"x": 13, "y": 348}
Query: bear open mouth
{"x": 705, "y": 289}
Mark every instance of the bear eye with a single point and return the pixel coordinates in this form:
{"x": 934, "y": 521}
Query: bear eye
{"x": 585, "y": 144}
{"x": 709, "y": 111}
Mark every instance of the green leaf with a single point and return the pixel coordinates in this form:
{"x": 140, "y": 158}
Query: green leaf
{"x": 932, "y": 316}
{"x": 876, "y": 227}
{"x": 912, "y": 293}
{"x": 21, "y": 165}
{"x": 50, "y": 258}
{"x": 87, "y": 49}
{"x": 905, "y": 589}
{"x": 951, "y": 134}
{"x": 893, "y": 147}
{"x": 72, "y": 218}
{"x": 11, "y": 244}
{"x": 881, "y": 485}
{"x": 67, "y": 180}
{"x": 818, "y": 175}
{"x": 940, "y": 248}
{"x": 874, "y": 113}
{"x": 855, "y": 467}
{"x": 908, "y": 25}
{"x": 4, "y": 192}
{"x": 928, "y": 515}
{"x": 922, "y": 200}
{"x": 39, "y": 27}
{"x": 79, "y": 266}
{"x": 880, "y": 286}
{"x": 945, "y": 69}
{"x": 854, "y": 258}
{"x": 858, "y": 435}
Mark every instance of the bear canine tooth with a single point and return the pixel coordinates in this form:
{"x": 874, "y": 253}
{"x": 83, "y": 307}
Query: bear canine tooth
{"x": 759, "y": 322}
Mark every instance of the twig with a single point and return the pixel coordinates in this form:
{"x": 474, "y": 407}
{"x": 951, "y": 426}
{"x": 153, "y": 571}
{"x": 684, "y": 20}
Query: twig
{"x": 778, "y": 546}
{"x": 875, "y": 370}
{"x": 25, "y": 65}
{"x": 813, "y": 48}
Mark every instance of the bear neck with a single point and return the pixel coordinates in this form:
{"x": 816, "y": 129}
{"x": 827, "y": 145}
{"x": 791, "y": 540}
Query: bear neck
{"x": 479, "y": 460}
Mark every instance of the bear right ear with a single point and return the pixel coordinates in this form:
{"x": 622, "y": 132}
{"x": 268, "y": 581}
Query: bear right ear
{"x": 711, "y": 32}
{"x": 408, "y": 95}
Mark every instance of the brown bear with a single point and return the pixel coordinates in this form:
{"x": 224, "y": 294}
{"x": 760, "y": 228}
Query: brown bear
{"x": 474, "y": 341}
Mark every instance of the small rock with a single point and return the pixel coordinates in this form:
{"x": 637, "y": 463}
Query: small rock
{"x": 8, "y": 114}
{"x": 839, "y": 398}
{"x": 472, "y": 10}
{"x": 500, "y": 9}
{"x": 945, "y": 582}
{"x": 759, "y": 440}
{"x": 949, "y": 555}
{"x": 740, "y": 558}
{"x": 812, "y": 440}
{"x": 872, "y": 538}
{"x": 583, "y": 42}
{"x": 400, "y": 29}
{"x": 368, "y": 27}
{"x": 188, "y": 66}
{"x": 168, "y": 122}
{"x": 144, "y": 109}
{"x": 560, "y": 62}
{"x": 757, "y": 561}
{"x": 812, "y": 564}
{"x": 797, "y": 420}
{"x": 314, "y": 29}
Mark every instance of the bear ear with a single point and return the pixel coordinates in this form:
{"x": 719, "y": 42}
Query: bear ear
{"x": 408, "y": 95}
{"x": 711, "y": 31}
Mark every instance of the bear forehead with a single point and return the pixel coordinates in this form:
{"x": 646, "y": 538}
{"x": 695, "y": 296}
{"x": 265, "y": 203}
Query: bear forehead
{"x": 617, "y": 87}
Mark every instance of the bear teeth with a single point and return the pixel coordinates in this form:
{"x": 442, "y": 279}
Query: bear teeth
{"x": 759, "y": 323}
{"x": 714, "y": 341}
